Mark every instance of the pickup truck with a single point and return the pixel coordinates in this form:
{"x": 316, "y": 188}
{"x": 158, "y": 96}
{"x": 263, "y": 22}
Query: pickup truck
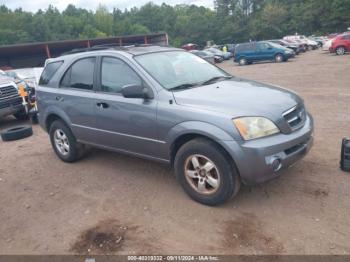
{"x": 11, "y": 103}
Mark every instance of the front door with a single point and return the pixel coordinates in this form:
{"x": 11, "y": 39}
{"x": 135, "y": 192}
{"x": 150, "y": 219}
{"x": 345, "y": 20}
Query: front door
{"x": 265, "y": 51}
{"x": 125, "y": 124}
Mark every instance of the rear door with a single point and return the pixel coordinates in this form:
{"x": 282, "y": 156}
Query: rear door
{"x": 76, "y": 97}
{"x": 125, "y": 124}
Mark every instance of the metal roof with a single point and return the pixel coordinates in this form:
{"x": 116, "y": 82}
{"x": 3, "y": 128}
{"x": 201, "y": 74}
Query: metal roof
{"x": 58, "y": 47}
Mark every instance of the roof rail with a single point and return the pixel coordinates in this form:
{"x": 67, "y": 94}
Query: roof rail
{"x": 105, "y": 47}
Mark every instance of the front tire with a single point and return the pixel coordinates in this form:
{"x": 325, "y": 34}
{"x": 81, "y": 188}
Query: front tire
{"x": 242, "y": 62}
{"x": 279, "y": 58}
{"x": 206, "y": 172}
{"x": 64, "y": 143}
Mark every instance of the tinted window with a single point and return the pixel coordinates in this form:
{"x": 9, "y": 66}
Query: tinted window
{"x": 346, "y": 37}
{"x": 263, "y": 46}
{"x": 245, "y": 47}
{"x": 116, "y": 74}
{"x": 80, "y": 74}
{"x": 49, "y": 71}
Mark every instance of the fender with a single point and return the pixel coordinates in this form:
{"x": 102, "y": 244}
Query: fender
{"x": 197, "y": 127}
{"x": 55, "y": 110}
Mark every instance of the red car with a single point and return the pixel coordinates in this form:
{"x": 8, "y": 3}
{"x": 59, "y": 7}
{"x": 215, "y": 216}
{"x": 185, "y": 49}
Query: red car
{"x": 341, "y": 44}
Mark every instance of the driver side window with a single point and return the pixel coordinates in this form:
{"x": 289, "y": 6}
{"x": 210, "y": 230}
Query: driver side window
{"x": 116, "y": 74}
{"x": 263, "y": 46}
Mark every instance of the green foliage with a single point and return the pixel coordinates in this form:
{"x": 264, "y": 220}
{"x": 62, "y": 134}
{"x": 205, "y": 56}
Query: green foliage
{"x": 230, "y": 21}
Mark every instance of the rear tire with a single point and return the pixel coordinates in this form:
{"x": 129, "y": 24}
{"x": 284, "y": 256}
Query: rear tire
{"x": 64, "y": 143}
{"x": 340, "y": 50}
{"x": 220, "y": 183}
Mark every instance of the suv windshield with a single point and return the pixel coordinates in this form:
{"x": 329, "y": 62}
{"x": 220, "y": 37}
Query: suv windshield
{"x": 179, "y": 70}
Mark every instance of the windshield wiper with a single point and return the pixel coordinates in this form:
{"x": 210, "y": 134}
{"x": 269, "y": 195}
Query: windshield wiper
{"x": 215, "y": 79}
{"x": 182, "y": 86}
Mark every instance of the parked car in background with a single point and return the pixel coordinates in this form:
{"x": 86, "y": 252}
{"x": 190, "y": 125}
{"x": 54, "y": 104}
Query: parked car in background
{"x": 327, "y": 45}
{"x": 217, "y": 52}
{"x": 294, "y": 47}
{"x": 341, "y": 44}
{"x": 210, "y": 57}
{"x": 231, "y": 48}
{"x": 300, "y": 44}
{"x": 11, "y": 102}
{"x": 29, "y": 76}
{"x": 308, "y": 43}
{"x": 165, "y": 104}
{"x": 248, "y": 53}
{"x": 27, "y": 80}
{"x": 189, "y": 46}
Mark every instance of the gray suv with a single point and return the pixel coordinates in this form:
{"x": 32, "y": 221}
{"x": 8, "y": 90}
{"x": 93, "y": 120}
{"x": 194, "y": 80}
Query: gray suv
{"x": 168, "y": 105}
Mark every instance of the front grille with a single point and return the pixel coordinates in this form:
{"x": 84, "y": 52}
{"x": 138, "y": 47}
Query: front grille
{"x": 295, "y": 117}
{"x": 9, "y": 97}
{"x": 8, "y": 92}
{"x": 13, "y": 102}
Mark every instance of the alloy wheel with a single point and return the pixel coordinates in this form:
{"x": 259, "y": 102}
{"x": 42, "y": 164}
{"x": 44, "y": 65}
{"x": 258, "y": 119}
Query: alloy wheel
{"x": 340, "y": 51}
{"x": 202, "y": 174}
{"x": 61, "y": 142}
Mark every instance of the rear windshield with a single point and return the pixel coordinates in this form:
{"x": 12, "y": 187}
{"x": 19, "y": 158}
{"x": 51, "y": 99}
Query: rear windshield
{"x": 49, "y": 71}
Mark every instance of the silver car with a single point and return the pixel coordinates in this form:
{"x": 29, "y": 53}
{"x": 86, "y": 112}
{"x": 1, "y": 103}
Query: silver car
{"x": 168, "y": 105}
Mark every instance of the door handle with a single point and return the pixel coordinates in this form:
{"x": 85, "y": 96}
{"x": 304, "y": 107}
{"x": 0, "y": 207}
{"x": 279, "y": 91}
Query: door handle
{"x": 59, "y": 98}
{"x": 102, "y": 105}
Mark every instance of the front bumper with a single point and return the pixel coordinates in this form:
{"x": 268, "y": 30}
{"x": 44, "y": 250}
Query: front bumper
{"x": 11, "y": 106}
{"x": 263, "y": 159}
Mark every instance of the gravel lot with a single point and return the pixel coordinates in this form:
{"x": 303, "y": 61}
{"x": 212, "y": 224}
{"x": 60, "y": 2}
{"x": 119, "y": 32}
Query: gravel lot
{"x": 110, "y": 203}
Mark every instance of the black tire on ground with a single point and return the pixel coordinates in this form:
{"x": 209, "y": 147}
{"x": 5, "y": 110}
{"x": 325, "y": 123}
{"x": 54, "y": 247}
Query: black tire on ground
{"x": 16, "y": 133}
{"x": 229, "y": 184}
{"x": 76, "y": 150}
{"x": 22, "y": 115}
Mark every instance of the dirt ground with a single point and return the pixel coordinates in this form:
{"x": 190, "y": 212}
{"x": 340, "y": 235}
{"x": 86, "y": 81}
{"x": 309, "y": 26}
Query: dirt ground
{"x": 110, "y": 203}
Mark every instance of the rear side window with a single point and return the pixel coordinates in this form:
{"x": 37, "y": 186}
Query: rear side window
{"x": 244, "y": 47}
{"x": 80, "y": 75}
{"x": 49, "y": 71}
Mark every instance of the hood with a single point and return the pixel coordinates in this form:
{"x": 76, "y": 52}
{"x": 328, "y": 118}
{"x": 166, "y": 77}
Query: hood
{"x": 6, "y": 80}
{"x": 239, "y": 97}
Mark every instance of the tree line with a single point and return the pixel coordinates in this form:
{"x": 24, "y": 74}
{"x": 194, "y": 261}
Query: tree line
{"x": 231, "y": 21}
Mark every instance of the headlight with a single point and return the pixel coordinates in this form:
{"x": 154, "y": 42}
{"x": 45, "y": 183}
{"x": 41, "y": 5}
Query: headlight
{"x": 255, "y": 127}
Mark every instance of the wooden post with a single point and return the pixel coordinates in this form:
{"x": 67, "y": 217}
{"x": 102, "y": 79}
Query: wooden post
{"x": 146, "y": 40}
{"x": 48, "y": 54}
{"x": 88, "y": 44}
{"x": 120, "y": 42}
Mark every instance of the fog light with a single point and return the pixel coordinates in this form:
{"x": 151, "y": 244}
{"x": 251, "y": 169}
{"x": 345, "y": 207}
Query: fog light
{"x": 276, "y": 164}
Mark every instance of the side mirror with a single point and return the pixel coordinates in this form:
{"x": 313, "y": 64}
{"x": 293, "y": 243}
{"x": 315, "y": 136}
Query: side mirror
{"x": 136, "y": 91}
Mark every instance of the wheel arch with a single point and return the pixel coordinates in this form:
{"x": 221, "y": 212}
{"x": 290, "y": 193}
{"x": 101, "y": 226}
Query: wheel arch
{"x": 185, "y": 138}
{"x": 54, "y": 115}
{"x": 183, "y": 133}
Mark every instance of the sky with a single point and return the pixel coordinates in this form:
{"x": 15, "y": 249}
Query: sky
{"x": 34, "y": 5}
